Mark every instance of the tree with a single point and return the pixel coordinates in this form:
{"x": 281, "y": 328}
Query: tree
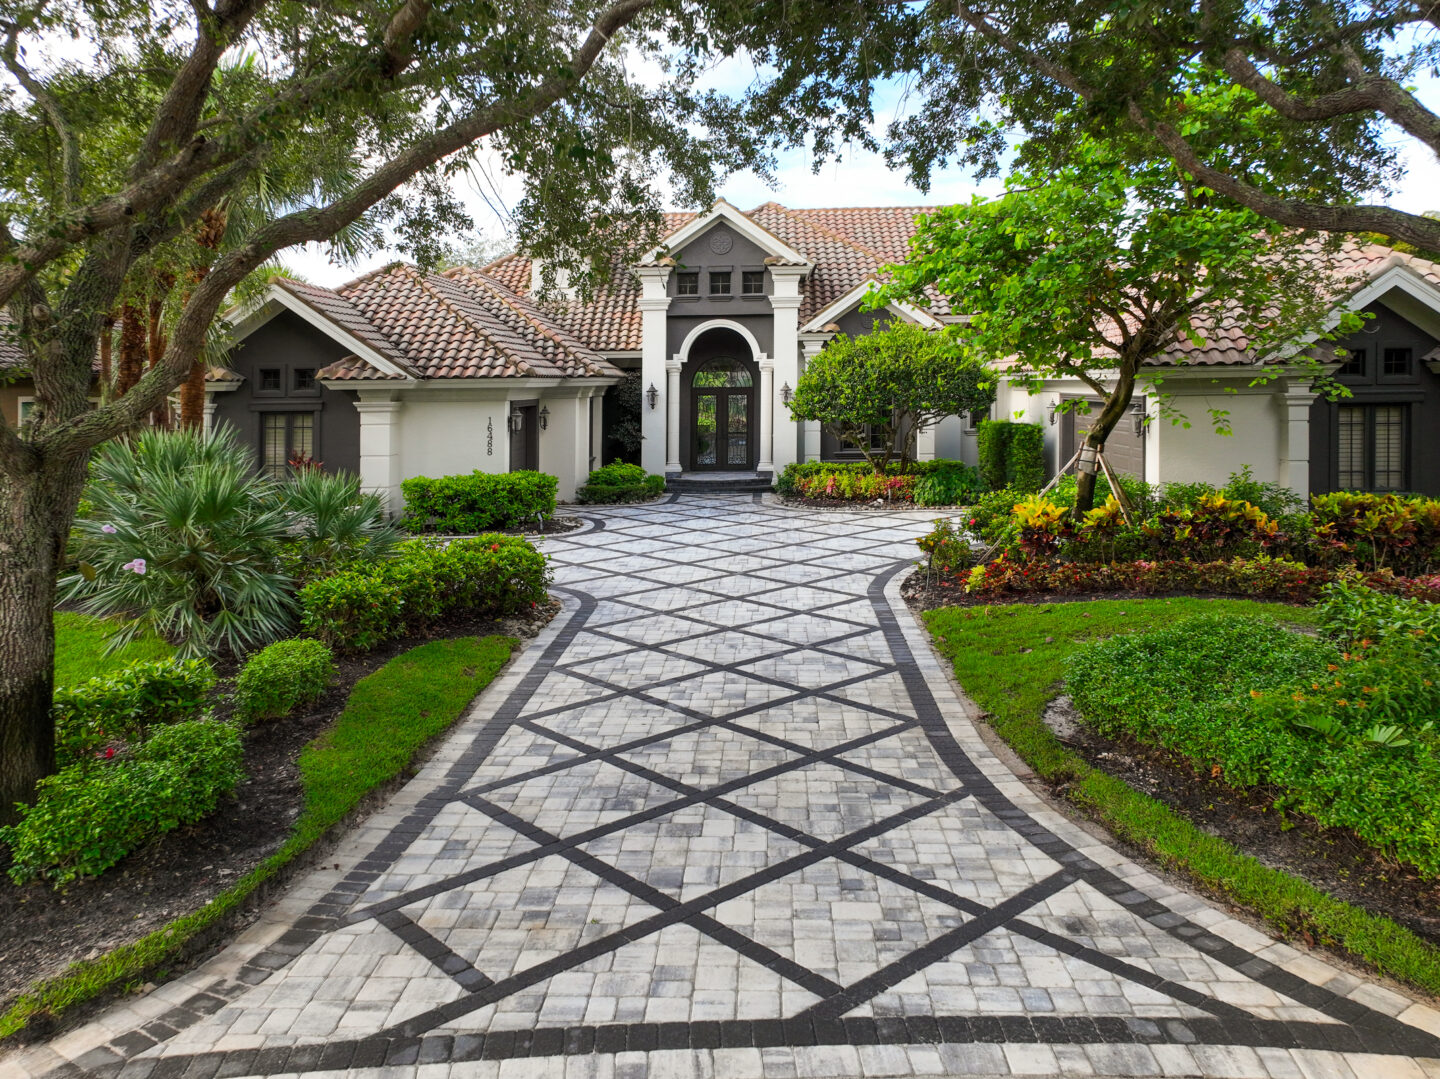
{"x": 301, "y": 123}
{"x": 1300, "y": 111}
{"x": 1093, "y": 272}
{"x": 894, "y": 383}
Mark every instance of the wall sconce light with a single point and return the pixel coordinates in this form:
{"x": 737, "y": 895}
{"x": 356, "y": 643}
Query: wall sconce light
{"x": 544, "y": 418}
{"x": 517, "y": 422}
{"x": 652, "y": 395}
{"x": 1051, "y": 413}
{"x": 786, "y": 393}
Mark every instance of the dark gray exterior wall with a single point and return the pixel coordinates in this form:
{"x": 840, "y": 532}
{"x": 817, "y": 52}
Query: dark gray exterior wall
{"x": 687, "y": 312}
{"x": 1419, "y": 393}
{"x": 288, "y": 342}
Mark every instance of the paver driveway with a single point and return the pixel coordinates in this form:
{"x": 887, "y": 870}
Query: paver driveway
{"x": 727, "y": 817}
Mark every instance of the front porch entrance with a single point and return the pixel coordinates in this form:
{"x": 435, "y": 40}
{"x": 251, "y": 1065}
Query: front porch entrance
{"x": 722, "y": 404}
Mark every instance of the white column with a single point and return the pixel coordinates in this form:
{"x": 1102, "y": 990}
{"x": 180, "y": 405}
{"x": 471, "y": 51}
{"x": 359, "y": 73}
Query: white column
{"x": 597, "y": 428}
{"x": 1295, "y": 423}
{"x": 207, "y": 422}
{"x": 653, "y": 304}
{"x": 380, "y": 450}
{"x": 672, "y": 415}
{"x": 925, "y": 444}
{"x": 767, "y": 415}
{"x": 810, "y": 449}
{"x": 786, "y": 304}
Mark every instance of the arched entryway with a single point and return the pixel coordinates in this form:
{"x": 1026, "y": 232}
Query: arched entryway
{"x": 721, "y": 384}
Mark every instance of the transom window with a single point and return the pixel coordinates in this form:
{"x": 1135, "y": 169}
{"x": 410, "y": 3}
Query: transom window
{"x": 304, "y": 378}
{"x": 285, "y": 436}
{"x": 719, "y": 282}
{"x": 1396, "y": 361}
{"x": 1354, "y": 363}
{"x": 687, "y": 283}
{"x": 722, "y": 373}
{"x": 270, "y": 379}
{"x": 1372, "y": 452}
{"x": 752, "y": 283}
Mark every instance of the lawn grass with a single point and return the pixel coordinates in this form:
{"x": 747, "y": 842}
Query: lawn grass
{"x": 389, "y": 717}
{"x": 1002, "y": 658}
{"x": 80, "y": 641}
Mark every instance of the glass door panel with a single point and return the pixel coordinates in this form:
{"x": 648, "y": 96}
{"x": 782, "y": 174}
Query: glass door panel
{"x": 706, "y": 433}
{"x": 738, "y": 430}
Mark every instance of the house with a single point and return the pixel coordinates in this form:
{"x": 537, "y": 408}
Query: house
{"x": 404, "y": 372}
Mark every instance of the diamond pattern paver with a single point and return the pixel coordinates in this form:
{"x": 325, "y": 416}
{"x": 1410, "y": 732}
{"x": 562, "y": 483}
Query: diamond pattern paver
{"x": 727, "y": 818}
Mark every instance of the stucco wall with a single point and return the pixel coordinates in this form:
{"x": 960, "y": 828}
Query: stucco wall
{"x": 1202, "y": 453}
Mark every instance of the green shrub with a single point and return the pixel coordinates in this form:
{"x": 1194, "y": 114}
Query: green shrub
{"x": 951, "y": 483}
{"x": 1011, "y": 455}
{"x": 284, "y": 676}
{"x": 356, "y": 609}
{"x": 928, "y": 483}
{"x": 1347, "y": 738}
{"x": 85, "y": 819}
{"x": 992, "y": 443}
{"x": 1400, "y": 532}
{"x": 121, "y": 707}
{"x": 946, "y": 548}
{"x": 333, "y": 524}
{"x": 478, "y": 502}
{"x": 184, "y": 541}
{"x": 619, "y": 482}
{"x": 1350, "y": 612}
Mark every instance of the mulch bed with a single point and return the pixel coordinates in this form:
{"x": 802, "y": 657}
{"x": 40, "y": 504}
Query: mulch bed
{"x": 43, "y": 930}
{"x": 1332, "y": 859}
{"x": 922, "y": 594}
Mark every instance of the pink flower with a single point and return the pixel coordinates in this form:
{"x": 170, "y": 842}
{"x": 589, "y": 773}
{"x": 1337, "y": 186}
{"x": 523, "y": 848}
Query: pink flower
{"x": 138, "y": 566}
{"x": 109, "y": 530}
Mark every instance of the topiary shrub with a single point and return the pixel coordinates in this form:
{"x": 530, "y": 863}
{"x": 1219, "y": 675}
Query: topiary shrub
{"x": 356, "y": 609}
{"x": 1025, "y": 457}
{"x": 619, "y": 482}
{"x": 87, "y": 817}
{"x": 278, "y": 679}
{"x": 478, "y": 502}
{"x": 992, "y": 444}
{"x": 122, "y": 706}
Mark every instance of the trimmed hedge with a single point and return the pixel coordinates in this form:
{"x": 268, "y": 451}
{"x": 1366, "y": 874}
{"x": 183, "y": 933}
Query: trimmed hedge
{"x": 619, "y": 482}
{"x": 278, "y": 679}
{"x": 1011, "y": 455}
{"x": 490, "y": 575}
{"x": 87, "y": 817}
{"x": 120, "y": 707}
{"x": 479, "y": 502}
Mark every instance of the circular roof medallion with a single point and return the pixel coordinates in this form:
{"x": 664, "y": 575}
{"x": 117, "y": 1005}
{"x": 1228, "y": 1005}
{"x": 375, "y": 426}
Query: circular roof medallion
{"x": 721, "y": 242}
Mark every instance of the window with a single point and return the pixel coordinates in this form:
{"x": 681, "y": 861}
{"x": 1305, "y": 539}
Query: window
{"x": 1372, "y": 447}
{"x": 722, "y": 373}
{"x": 687, "y": 283}
{"x": 1354, "y": 363}
{"x": 27, "y": 411}
{"x": 752, "y": 283}
{"x": 270, "y": 380}
{"x": 304, "y": 378}
{"x": 1396, "y": 361}
{"x": 719, "y": 282}
{"x": 283, "y": 437}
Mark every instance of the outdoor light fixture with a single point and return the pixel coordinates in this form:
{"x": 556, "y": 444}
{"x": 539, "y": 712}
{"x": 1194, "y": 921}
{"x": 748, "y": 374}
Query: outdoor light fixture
{"x": 517, "y": 422}
{"x": 786, "y": 393}
{"x": 544, "y": 418}
{"x": 652, "y": 395}
{"x": 1051, "y": 413}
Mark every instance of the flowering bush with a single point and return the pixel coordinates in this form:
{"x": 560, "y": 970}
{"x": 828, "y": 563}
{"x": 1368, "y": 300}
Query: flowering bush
{"x": 946, "y": 548}
{"x": 118, "y": 709}
{"x": 356, "y": 609}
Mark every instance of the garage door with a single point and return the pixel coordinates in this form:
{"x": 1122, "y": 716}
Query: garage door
{"x": 1124, "y": 449}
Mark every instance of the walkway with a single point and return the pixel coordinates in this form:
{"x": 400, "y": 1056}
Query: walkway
{"x": 727, "y": 818}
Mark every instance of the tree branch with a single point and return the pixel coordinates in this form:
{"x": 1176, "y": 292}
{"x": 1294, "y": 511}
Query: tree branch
{"x": 54, "y": 114}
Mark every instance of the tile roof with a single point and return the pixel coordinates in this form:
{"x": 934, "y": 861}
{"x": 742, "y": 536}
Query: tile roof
{"x": 461, "y": 325}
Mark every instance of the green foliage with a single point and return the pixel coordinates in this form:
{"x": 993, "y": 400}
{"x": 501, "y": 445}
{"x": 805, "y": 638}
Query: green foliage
{"x": 85, "y": 819}
{"x": 1351, "y": 613}
{"x": 926, "y": 483}
{"x": 619, "y": 482}
{"x": 411, "y": 699}
{"x": 282, "y": 677}
{"x": 624, "y": 432}
{"x": 332, "y": 524}
{"x": 489, "y": 575}
{"x": 479, "y": 502}
{"x": 1011, "y": 661}
{"x": 946, "y": 548}
{"x": 1379, "y": 530}
{"x": 948, "y": 483}
{"x": 81, "y": 650}
{"x": 118, "y": 709}
{"x": 185, "y": 538}
{"x": 897, "y": 380}
{"x": 1347, "y": 739}
{"x": 1011, "y": 455}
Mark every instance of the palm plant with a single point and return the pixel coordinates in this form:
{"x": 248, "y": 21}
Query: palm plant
{"x": 185, "y": 539}
{"x": 332, "y": 523}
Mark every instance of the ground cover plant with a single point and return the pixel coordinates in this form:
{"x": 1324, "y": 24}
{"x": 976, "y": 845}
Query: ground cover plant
{"x": 386, "y": 721}
{"x": 1011, "y": 660}
{"x": 619, "y": 482}
{"x": 479, "y": 502}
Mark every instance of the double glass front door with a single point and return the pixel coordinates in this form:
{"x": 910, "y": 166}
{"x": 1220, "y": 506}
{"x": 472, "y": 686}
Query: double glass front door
{"x": 722, "y": 428}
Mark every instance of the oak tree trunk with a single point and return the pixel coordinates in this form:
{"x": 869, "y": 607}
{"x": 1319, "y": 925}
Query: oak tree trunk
{"x": 35, "y": 520}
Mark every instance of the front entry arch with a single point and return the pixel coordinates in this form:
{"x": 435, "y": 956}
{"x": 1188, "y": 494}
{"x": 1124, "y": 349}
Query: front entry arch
{"x": 723, "y": 419}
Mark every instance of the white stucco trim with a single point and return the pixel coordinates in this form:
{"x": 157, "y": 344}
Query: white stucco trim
{"x": 683, "y": 354}
{"x": 852, "y": 299}
{"x": 723, "y": 211}
{"x": 277, "y": 299}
